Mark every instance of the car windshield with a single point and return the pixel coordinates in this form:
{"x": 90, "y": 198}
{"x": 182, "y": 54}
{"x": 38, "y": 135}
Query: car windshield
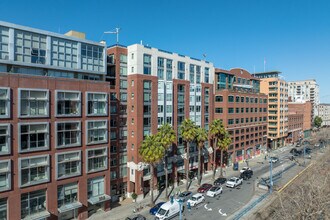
{"x": 161, "y": 211}
{"x": 193, "y": 198}
{"x": 214, "y": 189}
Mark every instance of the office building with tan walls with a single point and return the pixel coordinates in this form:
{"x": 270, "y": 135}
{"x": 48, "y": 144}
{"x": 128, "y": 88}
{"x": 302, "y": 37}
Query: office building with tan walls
{"x": 277, "y": 90}
{"x": 304, "y": 108}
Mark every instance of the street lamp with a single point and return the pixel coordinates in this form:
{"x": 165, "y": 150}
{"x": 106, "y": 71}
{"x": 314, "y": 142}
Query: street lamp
{"x": 270, "y": 175}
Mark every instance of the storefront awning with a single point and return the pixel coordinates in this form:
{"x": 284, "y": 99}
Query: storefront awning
{"x": 98, "y": 199}
{"x": 69, "y": 207}
{"x": 38, "y": 216}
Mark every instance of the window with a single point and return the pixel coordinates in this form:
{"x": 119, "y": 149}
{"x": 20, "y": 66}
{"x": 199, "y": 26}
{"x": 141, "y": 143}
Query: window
{"x": 219, "y": 110}
{"x": 92, "y": 57}
{"x": 5, "y": 175}
{"x": 68, "y": 103}
{"x": 146, "y": 64}
{"x": 168, "y": 69}
{"x": 218, "y": 98}
{"x": 97, "y": 104}
{"x": 4, "y": 48}
{"x": 237, "y": 99}
{"x": 33, "y": 203}
{"x": 67, "y": 194}
{"x": 97, "y": 159}
{"x": 95, "y": 187}
{"x": 33, "y": 103}
{"x": 64, "y": 53}
{"x": 68, "y": 164}
{"x": 5, "y": 132}
{"x": 68, "y": 134}
{"x": 33, "y": 137}
{"x": 4, "y": 102}
{"x": 242, "y": 99}
{"x": 97, "y": 132}
{"x": 192, "y": 73}
{"x": 181, "y": 70}
{"x": 198, "y": 74}
{"x": 230, "y": 110}
{"x": 230, "y": 121}
{"x": 3, "y": 209}
{"x": 206, "y": 75}
{"x": 230, "y": 98}
{"x": 34, "y": 170}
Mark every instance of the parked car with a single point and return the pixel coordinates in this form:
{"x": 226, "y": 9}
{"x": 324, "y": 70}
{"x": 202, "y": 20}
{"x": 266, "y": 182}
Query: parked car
{"x": 234, "y": 181}
{"x": 136, "y": 217}
{"x": 244, "y": 168}
{"x": 185, "y": 195}
{"x": 274, "y": 159}
{"x": 154, "y": 209}
{"x": 168, "y": 210}
{"x": 204, "y": 188}
{"x": 293, "y": 150}
{"x": 214, "y": 191}
{"x": 247, "y": 174}
{"x": 196, "y": 199}
{"x": 220, "y": 181}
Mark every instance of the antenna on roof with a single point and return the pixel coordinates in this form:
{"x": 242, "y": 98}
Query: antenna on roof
{"x": 114, "y": 32}
{"x": 204, "y": 56}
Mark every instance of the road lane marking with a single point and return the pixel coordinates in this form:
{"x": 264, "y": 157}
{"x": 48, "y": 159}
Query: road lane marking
{"x": 208, "y": 209}
{"x": 223, "y": 214}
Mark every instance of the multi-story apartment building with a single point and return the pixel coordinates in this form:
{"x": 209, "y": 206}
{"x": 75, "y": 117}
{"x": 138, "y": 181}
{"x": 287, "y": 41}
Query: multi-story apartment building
{"x": 242, "y": 108}
{"x": 323, "y": 111}
{"x": 295, "y": 127}
{"x": 54, "y": 120}
{"x": 304, "y": 108}
{"x": 164, "y": 87}
{"x": 305, "y": 90}
{"x": 277, "y": 91}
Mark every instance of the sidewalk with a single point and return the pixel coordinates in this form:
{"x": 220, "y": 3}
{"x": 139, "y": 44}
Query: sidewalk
{"x": 125, "y": 208}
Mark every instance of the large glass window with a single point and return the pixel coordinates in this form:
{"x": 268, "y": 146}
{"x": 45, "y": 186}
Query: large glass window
{"x": 230, "y": 98}
{"x": 92, "y": 57}
{"x": 97, "y": 104}
{"x": 192, "y": 73}
{"x": 34, "y": 103}
{"x": 181, "y": 70}
{"x": 67, "y": 194}
{"x": 34, "y": 137}
{"x": 95, "y": 187}
{"x": 97, "y": 132}
{"x": 146, "y": 64}
{"x": 34, "y": 170}
{"x": 68, "y": 134}
{"x": 168, "y": 69}
{"x": 4, "y": 102}
{"x": 160, "y": 68}
{"x": 198, "y": 74}
{"x": 68, "y": 103}
{"x": 33, "y": 203}
{"x": 97, "y": 159}
{"x": 3, "y": 209}
{"x": 30, "y": 47}
{"x": 64, "y": 53}
{"x": 68, "y": 164}
{"x": 4, "y": 42}
{"x": 5, "y": 175}
{"x": 206, "y": 75}
{"x": 5, "y": 139}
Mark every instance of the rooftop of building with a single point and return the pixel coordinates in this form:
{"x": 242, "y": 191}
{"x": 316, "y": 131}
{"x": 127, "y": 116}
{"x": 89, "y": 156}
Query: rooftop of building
{"x": 267, "y": 72}
{"x": 327, "y": 104}
{"x": 306, "y": 80}
{"x": 75, "y": 35}
{"x": 243, "y": 73}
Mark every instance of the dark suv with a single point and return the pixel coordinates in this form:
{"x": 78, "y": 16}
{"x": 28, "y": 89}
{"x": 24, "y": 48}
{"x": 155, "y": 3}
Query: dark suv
{"x": 247, "y": 174}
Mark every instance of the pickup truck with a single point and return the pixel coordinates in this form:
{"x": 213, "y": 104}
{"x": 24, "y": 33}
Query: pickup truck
{"x": 233, "y": 182}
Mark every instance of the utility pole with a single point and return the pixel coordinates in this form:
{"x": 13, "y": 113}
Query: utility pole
{"x": 271, "y": 175}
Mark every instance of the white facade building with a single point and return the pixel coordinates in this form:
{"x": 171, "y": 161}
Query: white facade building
{"x": 323, "y": 111}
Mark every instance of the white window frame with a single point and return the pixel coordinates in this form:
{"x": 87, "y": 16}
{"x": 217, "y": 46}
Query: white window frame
{"x": 8, "y": 172}
{"x": 56, "y": 101}
{"x": 106, "y": 133}
{"x": 57, "y": 164}
{"x": 33, "y": 116}
{"x": 37, "y": 149}
{"x": 56, "y": 134}
{"x": 106, "y": 103}
{"x": 8, "y": 103}
{"x": 8, "y": 138}
{"x": 33, "y": 182}
{"x": 96, "y": 180}
{"x": 106, "y": 159}
{"x": 65, "y": 189}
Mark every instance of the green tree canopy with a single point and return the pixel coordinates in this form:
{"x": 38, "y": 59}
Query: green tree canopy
{"x": 318, "y": 121}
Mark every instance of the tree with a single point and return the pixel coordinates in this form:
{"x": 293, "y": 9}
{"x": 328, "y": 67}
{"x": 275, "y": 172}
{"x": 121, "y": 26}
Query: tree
{"x": 188, "y": 134}
{"x": 318, "y": 121}
{"x": 221, "y": 140}
{"x": 167, "y": 137}
{"x": 201, "y": 137}
{"x": 151, "y": 152}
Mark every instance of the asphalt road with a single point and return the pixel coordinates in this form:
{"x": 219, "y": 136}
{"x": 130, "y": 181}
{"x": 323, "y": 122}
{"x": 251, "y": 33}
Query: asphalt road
{"x": 229, "y": 201}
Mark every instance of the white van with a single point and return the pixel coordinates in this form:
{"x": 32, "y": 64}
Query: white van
{"x": 168, "y": 210}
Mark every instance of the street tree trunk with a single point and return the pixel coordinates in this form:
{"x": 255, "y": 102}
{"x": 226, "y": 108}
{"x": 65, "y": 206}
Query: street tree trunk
{"x": 152, "y": 185}
{"x": 166, "y": 178}
{"x": 199, "y": 166}
{"x": 221, "y": 163}
{"x": 214, "y": 158}
{"x": 187, "y": 171}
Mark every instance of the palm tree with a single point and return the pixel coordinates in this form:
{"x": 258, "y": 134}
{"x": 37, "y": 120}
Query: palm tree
{"x": 201, "y": 137}
{"x": 221, "y": 140}
{"x": 167, "y": 137}
{"x": 188, "y": 133}
{"x": 151, "y": 152}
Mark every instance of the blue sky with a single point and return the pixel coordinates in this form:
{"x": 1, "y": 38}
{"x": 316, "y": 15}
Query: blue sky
{"x": 292, "y": 35}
